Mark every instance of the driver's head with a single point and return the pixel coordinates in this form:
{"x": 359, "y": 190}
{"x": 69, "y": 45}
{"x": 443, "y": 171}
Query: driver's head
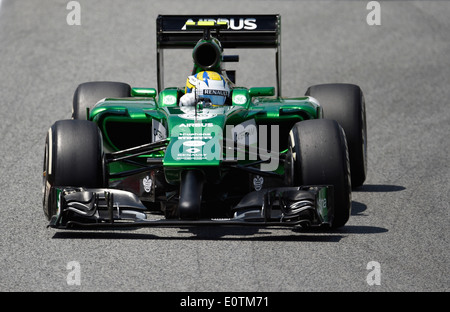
{"x": 210, "y": 86}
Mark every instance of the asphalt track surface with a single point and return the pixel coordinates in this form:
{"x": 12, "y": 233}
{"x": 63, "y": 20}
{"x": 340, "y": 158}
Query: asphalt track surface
{"x": 400, "y": 216}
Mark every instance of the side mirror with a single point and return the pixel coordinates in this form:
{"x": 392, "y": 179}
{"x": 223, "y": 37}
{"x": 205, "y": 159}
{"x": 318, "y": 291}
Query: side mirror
{"x": 143, "y": 92}
{"x": 261, "y": 91}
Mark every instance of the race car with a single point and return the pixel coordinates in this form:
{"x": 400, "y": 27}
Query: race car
{"x": 210, "y": 152}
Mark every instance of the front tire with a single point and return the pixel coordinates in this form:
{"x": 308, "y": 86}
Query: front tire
{"x": 73, "y": 157}
{"x": 319, "y": 156}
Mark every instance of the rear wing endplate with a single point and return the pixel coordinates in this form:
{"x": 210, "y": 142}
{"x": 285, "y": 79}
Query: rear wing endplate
{"x": 244, "y": 31}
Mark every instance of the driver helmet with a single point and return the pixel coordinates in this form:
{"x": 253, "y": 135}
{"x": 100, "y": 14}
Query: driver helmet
{"x": 210, "y": 86}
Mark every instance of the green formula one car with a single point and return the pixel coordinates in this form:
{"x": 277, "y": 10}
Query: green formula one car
{"x": 210, "y": 152}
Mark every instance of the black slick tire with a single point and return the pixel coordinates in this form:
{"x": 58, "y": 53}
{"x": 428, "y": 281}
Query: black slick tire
{"x": 89, "y": 93}
{"x": 73, "y": 158}
{"x": 319, "y": 157}
{"x": 345, "y": 103}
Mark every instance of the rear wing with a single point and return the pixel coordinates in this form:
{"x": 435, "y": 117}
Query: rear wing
{"x": 244, "y": 31}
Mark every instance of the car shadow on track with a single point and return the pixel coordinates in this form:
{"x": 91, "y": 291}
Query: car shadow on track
{"x": 379, "y": 188}
{"x": 228, "y": 234}
{"x": 204, "y": 234}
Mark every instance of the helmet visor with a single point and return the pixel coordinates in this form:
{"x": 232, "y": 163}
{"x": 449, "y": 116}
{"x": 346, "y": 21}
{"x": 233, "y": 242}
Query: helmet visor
{"x": 217, "y": 97}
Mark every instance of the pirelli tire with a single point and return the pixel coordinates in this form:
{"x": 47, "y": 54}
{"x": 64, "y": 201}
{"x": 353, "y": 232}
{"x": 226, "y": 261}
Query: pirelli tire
{"x": 319, "y": 156}
{"x": 345, "y": 103}
{"x": 90, "y": 93}
{"x": 73, "y": 157}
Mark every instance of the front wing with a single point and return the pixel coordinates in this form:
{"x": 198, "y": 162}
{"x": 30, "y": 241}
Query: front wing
{"x": 106, "y": 208}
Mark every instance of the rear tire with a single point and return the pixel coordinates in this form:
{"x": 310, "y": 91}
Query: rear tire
{"x": 345, "y": 103}
{"x": 319, "y": 156}
{"x": 89, "y": 93}
{"x": 73, "y": 157}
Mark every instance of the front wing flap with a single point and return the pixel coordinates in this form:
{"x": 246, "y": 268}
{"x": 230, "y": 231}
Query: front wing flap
{"x": 105, "y": 208}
